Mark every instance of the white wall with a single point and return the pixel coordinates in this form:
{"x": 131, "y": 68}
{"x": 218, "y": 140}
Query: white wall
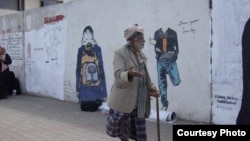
{"x": 45, "y": 44}
{"x": 67, "y": 0}
{"x": 109, "y": 20}
{"x": 207, "y": 73}
{"x": 6, "y": 12}
{"x": 30, "y": 4}
{"x": 229, "y": 17}
{"x": 57, "y": 31}
{"x": 11, "y": 37}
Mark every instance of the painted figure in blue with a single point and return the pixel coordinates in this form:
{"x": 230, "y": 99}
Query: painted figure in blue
{"x": 90, "y": 77}
{"x": 166, "y": 49}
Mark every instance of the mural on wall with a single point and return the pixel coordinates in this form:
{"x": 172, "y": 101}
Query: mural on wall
{"x": 166, "y": 50}
{"x": 90, "y": 77}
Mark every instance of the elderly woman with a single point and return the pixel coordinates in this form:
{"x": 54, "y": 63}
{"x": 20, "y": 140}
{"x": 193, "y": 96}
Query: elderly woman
{"x": 5, "y": 60}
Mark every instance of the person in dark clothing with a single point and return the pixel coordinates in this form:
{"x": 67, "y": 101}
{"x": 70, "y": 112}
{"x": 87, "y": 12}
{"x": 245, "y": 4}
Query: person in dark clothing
{"x": 5, "y": 60}
{"x": 244, "y": 113}
{"x": 13, "y": 84}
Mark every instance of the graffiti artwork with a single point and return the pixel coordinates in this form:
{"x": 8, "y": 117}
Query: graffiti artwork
{"x": 53, "y": 38}
{"x": 166, "y": 49}
{"x": 13, "y": 43}
{"x": 90, "y": 77}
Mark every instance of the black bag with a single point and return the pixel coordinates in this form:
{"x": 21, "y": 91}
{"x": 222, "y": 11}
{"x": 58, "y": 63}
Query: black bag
{"x": 91, "y": 106}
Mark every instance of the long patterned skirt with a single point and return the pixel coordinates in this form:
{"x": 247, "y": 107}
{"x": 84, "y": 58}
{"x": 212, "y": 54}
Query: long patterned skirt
{"x": 126, "y": 125}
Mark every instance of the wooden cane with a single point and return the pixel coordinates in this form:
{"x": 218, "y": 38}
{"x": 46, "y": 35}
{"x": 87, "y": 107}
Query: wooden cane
{"x": 158, "y": 120}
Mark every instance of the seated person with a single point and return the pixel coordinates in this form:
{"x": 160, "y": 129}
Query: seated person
{"x": 5, "y": 60}
{"x": 13, "y": 83}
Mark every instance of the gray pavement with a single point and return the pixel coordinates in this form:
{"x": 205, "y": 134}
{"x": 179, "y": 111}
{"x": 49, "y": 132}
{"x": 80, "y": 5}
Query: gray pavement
{"x": 33, "y": 118}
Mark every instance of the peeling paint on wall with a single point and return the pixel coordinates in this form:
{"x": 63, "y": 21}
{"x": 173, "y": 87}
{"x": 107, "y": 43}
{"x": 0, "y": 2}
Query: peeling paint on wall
{"x": 45, "y": 50}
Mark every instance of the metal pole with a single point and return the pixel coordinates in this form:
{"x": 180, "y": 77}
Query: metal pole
{"x": 158, "y": 120}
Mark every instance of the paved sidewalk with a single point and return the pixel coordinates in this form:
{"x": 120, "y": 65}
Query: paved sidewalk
{"x": 33, "y": 118}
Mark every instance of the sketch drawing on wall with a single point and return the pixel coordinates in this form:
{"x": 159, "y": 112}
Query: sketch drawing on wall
{"x": 53, "y": 37}
{"x": 166, "y": 50}
{"x": 90, "y": 77}
{"x": 52, "y": 41}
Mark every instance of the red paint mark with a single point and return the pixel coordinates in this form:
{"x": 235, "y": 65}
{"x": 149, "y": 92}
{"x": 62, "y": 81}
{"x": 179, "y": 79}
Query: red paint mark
{"x": 57, "y": 18}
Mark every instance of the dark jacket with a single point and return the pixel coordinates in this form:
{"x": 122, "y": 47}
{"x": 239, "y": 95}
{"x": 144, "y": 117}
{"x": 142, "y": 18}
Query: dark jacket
{"x": 172, "y": 51}
{"x": 4, "y": 63}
